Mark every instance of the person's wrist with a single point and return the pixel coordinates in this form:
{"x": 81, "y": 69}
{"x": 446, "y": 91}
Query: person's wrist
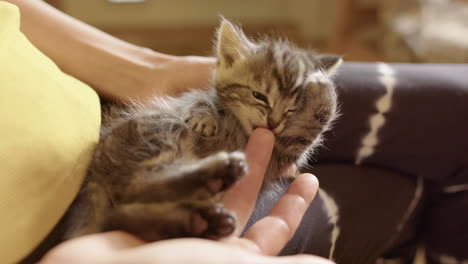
{"x": 152, "y": 72}
{"x": 172, "y": 75}
{"x": 197, "y": 71}
{"x": 186, "y": 72}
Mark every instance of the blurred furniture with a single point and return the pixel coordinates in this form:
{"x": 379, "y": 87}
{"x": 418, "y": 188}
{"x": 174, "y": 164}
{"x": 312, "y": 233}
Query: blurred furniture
{"x": 354, "y": 23}
{"x": 187, "y": 27}
{"x": 360, "y": 30}
{"x": 401, "y": 30}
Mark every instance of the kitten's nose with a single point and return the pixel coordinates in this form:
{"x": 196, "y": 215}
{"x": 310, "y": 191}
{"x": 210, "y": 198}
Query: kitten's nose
{"x": 272, "y": 124}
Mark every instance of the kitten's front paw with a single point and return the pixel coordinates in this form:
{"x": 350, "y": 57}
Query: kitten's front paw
{"x": 212, "y": 222}
{"x": 203, "y": 125}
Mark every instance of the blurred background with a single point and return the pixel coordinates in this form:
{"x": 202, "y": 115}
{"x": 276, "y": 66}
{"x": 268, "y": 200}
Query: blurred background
{"x": 360, "y": 30}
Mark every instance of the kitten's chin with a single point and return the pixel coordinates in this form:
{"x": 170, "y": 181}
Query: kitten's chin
{"x": 247, "y": 127}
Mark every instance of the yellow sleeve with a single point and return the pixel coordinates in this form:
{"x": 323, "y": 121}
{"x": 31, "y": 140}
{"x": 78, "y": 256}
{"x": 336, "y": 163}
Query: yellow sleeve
{"x": 49, "y": 126}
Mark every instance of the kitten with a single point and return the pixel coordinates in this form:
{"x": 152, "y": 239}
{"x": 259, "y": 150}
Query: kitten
{"x": 158, "y": 169}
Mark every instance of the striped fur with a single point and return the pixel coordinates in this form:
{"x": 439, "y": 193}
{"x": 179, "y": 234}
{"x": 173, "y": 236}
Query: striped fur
{"x": 158, "y": 168}
{"x": 299, "y": 101}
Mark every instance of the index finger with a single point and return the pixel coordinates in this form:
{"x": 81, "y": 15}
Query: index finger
{"x": 242, "y": 197}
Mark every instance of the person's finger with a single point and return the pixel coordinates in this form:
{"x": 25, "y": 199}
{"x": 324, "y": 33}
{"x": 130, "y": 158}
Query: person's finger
{"x": 275, "y": 230}
{"x": 242, "y": 197}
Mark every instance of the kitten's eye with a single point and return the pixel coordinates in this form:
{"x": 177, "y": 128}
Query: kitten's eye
{"x": 292, "y": 110}
{"x": 260, "y": 96}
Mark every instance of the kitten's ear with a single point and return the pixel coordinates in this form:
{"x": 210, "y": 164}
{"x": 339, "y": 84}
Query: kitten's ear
{"x": 232, "y": 45}
{"x": 330, "y": 63}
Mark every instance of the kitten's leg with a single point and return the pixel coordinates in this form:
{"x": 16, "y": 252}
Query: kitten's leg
{"x": 157, "y": 221}
{"x": 201, "y": 180}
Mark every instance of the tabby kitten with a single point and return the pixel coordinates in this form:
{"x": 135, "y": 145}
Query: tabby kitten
{"x": 157, "y": 170}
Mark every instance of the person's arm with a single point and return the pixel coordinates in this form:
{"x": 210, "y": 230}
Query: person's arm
{"x": 259, "y": 244}
{"x": 114, "y": 68}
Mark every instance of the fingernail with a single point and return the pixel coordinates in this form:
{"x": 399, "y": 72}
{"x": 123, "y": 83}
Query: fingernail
{"x": 311, "y": 177}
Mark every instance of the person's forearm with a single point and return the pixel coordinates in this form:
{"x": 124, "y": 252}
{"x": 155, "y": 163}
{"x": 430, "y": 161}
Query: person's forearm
{"x": 113, "y": 67}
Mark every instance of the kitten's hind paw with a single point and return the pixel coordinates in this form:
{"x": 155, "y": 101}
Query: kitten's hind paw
{"x": 224, "y": 169}
{"x": 212, "y": 222}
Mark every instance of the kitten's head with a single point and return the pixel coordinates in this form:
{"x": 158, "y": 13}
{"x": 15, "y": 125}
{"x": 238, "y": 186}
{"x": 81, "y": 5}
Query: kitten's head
{"x": 274, "y": 84}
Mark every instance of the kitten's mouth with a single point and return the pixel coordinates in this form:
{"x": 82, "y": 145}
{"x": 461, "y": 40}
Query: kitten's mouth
{"x": 275, "y": 130}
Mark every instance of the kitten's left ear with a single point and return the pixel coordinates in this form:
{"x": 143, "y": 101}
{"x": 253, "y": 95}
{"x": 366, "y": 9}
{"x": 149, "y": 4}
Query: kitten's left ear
{"x": 232, "y": 44}
{"x": 330, "y": 63}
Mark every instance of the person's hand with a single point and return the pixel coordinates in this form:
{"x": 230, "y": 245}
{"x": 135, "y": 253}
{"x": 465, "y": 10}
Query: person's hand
{"x": 259, "y": 244}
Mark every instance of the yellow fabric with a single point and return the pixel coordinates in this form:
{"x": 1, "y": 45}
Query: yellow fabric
{"x": 49, "y": 125}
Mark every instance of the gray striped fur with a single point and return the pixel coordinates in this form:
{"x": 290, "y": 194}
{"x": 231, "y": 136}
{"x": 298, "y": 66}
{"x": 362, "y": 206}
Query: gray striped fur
{"x": 159, "y": 168}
